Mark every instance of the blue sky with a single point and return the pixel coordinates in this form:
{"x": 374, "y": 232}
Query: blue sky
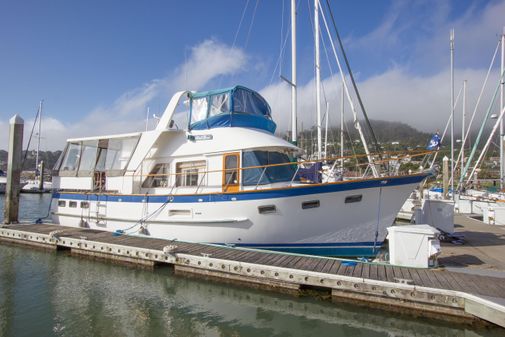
{"x": 99, "y": 64}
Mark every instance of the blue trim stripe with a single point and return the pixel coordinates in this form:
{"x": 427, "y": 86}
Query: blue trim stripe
{"x": 247, "y": 195}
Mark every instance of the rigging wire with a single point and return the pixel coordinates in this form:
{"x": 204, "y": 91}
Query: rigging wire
{"x": 37, "y": 116}
{"x": 372, "y": 134}
{"x": 478, "y": 100}
{"x": 281, "y": 54}
{"x": 251, "y": 24}
{"x": 240, "y": 24}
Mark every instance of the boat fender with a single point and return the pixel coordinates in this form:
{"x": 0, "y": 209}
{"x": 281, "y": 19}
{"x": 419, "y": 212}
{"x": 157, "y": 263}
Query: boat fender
{"x": 170, "y": 249}
{"x": 349, "y": 263}
{"x": 55, "y": 234}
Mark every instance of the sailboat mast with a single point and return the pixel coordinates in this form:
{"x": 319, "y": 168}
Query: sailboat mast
{"x": 452, "y": 110}
{"x": 38, "y": 137}
{"x": 293, "y": 73}
{"x": 327, "y": 115}
{"x": 342, "y": 128}
{"x": 463, "y": 117}
{"x": 502, "y": 104}
{"x": 318, "y": 77}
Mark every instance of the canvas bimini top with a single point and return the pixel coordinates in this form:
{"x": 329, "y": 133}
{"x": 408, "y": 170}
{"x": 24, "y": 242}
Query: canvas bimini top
{"x": 237, "y": 106}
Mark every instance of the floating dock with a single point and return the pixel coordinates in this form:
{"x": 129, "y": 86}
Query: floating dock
{"x": 437, "y": 293}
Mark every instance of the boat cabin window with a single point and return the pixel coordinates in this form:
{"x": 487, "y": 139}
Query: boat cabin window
{"x": 105, "y": 155}
{"x": 199, "y": 109}
{"x": 158, "y": 177}
{"x": 88, "y": 158}
{"x": 119, "y": 152}
{"x": 266, "y": 175}
{"x": 57, "y": 165}
{"x": 190, "y": 173}
{"x": 71, "y": 159}
{"x": 219, "y": 104}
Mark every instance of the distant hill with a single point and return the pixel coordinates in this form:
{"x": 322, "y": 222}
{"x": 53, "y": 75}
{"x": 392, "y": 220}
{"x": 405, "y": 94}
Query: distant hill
{"x": 49, "y": 158}
{"x": 390, "y": 135}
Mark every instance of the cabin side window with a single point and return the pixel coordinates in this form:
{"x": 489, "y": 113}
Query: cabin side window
{"x": 266, "y": 167}
{"x": 190, "y": 173}
{"x": 71, "y": 160}
{"x": 88, "y": 158}
{"x": 119, "y": 152}
{"x": 158, "y": 177}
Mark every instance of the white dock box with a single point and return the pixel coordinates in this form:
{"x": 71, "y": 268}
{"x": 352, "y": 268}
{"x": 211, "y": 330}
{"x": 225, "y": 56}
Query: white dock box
{"x": 439, "y": 214}
{"x": 413, "y": 245}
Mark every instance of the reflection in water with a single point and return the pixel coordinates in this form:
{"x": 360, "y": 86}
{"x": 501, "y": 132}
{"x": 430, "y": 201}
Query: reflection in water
{"x": 49, "y": 294}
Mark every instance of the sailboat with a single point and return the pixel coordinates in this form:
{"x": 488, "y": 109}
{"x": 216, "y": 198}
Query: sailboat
{"x": 37, "y": 185}
{"x": 3, "y": 182}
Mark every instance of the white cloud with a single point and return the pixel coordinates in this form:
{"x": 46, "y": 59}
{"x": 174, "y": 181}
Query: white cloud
{"x": 207, "y": 61}
{"x": 395, "y": 95}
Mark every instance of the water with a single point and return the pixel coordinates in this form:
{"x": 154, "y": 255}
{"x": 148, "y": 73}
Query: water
{"x": 53, "y": 294}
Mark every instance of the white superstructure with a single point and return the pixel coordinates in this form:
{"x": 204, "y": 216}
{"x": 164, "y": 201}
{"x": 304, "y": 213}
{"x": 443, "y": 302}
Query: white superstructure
{"x": 225, "y": 179}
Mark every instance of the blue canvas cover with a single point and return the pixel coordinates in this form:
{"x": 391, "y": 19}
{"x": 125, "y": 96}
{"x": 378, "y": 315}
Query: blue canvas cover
{"x": 231, "y": 107}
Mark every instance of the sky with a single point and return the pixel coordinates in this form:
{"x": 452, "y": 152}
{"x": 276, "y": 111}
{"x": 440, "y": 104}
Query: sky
{"x": 98, "y": 65}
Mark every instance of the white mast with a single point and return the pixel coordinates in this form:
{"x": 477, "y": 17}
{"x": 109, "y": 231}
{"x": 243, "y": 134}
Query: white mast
{"x": 463, "y": 129}
{"x": 452, "y": 110}
{"x": 342, "y": 129}
{"x": 38, "y": 137}
{"x": 327, "y": 117}
{"x": 318, "y": 76}
{"x": 147, "y": 118}
{"x": 293, "y": 72}
{"x": 502, "y": 104}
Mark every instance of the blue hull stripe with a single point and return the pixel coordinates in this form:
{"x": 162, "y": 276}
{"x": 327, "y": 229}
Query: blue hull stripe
{"x": 247, "y": 195}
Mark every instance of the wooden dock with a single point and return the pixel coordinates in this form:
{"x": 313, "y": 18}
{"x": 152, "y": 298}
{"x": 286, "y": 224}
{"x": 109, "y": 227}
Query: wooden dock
{"x": 435, "y": 293}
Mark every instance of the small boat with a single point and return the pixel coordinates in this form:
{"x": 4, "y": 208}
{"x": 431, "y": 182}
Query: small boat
{"x": 3, "y": 182}
{"x": 33, "y": 186}
{"x": 225, "y": 179}
{"x": 37, "y": 185}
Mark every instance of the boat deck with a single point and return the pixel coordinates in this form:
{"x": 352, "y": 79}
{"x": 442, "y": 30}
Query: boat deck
{"x": 454, "y": 294}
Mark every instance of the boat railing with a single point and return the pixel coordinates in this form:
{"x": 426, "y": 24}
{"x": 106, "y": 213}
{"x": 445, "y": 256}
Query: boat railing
{"x": 296, "y": 177}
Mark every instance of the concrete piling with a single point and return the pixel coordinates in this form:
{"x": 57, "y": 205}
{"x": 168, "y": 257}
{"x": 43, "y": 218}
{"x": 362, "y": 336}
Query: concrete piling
{"x": 14, "y": 163}
{"x": 41, "y": 176}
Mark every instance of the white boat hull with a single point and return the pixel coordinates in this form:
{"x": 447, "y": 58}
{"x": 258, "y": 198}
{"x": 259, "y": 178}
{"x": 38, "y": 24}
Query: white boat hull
{"x": 335, "y": 227}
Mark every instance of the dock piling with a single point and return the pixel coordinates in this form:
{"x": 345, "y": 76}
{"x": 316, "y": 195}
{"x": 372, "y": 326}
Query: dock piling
{"x": 41, "y": 175}
{"x": 14, "y": 163}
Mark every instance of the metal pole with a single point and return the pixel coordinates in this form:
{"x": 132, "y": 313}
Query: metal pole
{"x": 293, "y": 73}
{"x": 502, "y": 68}
{"x": 15, "y": 157}
{"x": 147, "y": 118}
{"x": 38, "y": 138}
{"x": 445, "y": 176}
{"x": 318, "y": 76}
{"x": 452, "y": 111}
{"x": 326, "y": 129}
{"x": 342, "y": 129}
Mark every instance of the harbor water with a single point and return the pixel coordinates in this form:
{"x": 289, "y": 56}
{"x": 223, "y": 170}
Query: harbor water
{"x": 44, "y": 293}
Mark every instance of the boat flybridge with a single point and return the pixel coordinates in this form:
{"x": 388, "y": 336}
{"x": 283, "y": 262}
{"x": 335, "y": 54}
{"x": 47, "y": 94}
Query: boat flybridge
{"x": 225, "y": 179}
